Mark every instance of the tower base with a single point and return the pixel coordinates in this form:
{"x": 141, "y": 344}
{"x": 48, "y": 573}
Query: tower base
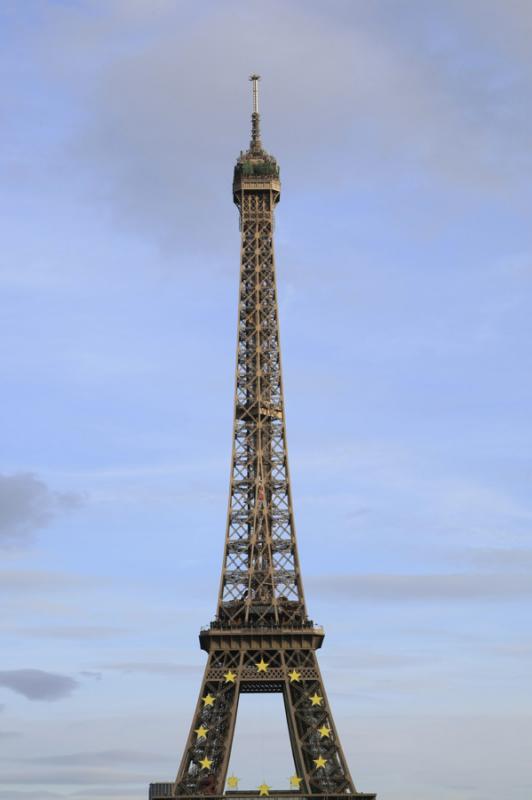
{"x": 163, "y": 791}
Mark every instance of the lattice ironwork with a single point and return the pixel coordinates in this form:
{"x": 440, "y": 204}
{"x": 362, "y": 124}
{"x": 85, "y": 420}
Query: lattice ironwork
{"x": 261, "y": 639}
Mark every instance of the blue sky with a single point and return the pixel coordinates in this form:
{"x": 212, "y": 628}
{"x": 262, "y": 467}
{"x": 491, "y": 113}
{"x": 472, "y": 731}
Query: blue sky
{"x": 404, "y": 253}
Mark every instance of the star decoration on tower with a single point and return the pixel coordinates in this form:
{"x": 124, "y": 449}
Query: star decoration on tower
{"x": 201, "y": 732}
{"x": 262, "y": 665}
{"x": 230, "y": 677}
{"x": 208, "y": 700}
{"x": 294, "y": 675}
{"x": 264, "y": 790}
{"x": 296, "y": 781}
{"x": 320, "y": 762}
{"x": 232, "y": 782}
{"x": 206, "y": 763}
{"x": 324, "y": 731}
{"x": 316, "y": 699}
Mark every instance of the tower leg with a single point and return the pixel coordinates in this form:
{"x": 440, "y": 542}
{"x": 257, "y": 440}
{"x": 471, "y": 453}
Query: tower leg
{"x": 205, "y": 761}
{"x": 316, "y": 748}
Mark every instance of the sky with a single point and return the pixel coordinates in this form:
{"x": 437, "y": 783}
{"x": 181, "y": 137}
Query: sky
{"x": 404, "y": 254}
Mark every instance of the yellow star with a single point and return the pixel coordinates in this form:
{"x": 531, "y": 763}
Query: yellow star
{"x": 320, "y": 762}
{"x": 295, "y": 780}
{"x": 208, "y": 700}
{"x": 316, "y": 700}
{"x": 262, "y": 665}
{"x": 202, "y": 732}
{"x": 232, "y": 782}
{"x": 294, "y": 675}
{"x": 324, "y": 731}
{"x": 206, "y": 763}
{"x": 230, "y": 677}
{"x": 264, "y": 790}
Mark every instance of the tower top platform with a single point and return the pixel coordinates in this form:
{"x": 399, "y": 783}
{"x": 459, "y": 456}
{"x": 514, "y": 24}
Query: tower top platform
{"x": 255, "y": 169}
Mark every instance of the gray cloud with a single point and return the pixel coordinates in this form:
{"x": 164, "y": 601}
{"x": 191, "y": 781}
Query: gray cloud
{"x": 10, "y": 734}
{"x": 26, "y": 503}
{"x": 35, "y": 684}
{"x": 438, "y": 587}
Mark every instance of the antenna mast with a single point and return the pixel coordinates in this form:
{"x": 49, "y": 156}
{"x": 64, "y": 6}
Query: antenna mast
{"x": 256, "y": 144}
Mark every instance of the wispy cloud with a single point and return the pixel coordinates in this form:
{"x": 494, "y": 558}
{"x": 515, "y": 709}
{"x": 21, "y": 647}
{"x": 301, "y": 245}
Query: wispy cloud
{"x": 152, "y": 667}
{"x": 517, "y": 559}
{"x": 15, "y": 794}
{"x": 29, "y": 581}
{"x": 10, "y": 734}
{"x": 82, "y": 632}
{"x": 521, "y": 651}
{"x": 72, "y": 777}
{"x": 90, "y": 673}
{"x": 96, "y": 758}
{"x": 412, "y": 588}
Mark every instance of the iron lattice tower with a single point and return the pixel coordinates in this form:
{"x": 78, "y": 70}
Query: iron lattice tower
{"x": 261, "y": 639}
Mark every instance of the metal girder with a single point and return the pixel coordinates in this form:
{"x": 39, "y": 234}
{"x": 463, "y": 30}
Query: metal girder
{"x": 261, "y": 580}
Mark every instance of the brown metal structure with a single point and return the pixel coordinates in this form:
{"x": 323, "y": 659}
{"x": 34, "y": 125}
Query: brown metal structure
{"x": 261, "y": 639}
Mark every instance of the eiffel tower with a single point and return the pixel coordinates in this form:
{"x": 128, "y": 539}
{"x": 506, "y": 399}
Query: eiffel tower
{"x": 261, "y": 639}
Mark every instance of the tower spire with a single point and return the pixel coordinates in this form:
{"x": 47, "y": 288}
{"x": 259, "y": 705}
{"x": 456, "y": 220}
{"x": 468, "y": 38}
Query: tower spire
{"x": 255, "y": 145}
